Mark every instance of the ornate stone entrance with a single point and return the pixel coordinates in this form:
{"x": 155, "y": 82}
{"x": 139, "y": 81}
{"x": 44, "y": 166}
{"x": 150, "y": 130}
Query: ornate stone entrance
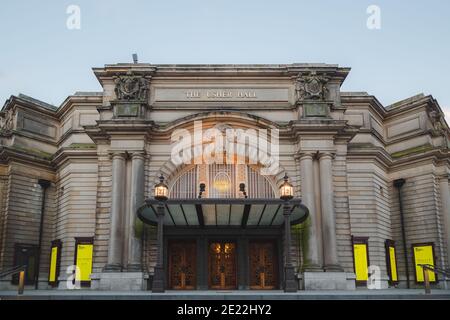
{"x": 235, "y": 241}
{"x": 223, "y": 259}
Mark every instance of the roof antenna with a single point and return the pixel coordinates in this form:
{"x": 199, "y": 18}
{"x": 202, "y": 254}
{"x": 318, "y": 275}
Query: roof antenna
{"x": 135, "y": 58}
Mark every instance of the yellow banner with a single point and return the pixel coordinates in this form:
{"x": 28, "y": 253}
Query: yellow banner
{"x": 84, "y": 261}
{"x": 361, "y": 265}
{"x": 424, "y": 255}
{"x": 393, "y": 262}
{"x": 53, "y": 263}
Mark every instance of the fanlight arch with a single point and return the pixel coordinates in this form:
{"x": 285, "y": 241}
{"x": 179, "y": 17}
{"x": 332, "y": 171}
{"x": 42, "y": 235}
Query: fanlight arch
{"x": 221, "y": 181}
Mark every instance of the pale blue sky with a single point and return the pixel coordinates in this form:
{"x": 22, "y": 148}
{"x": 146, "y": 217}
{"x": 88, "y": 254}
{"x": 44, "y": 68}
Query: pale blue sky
{"x": 40, "y": 57}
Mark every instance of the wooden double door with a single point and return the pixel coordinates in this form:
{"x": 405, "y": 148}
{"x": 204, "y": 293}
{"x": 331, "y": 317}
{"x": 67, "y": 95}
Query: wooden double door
{"x": 263, "y": 265}
{"x": 222, "y": 265}
{"x": 182, "y": 265}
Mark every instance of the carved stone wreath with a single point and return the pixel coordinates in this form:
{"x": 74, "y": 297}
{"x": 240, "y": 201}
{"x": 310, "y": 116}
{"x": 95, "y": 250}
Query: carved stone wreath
{"x": 311, "y": 86}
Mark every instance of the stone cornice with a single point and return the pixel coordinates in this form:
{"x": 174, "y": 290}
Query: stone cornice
{"x": 120, "y": 125}
{"x": 69, "y": 133}
{"x": 110, "y": 71}
{"x": 96, "y": 135}
{"x": 335, "y": 72}
{"x": 337, "y": 128}
{"x": 409, "y": 107}
{"x": 8, "y": 154}
{"x": 102, "y": 132}
{"x": 29, "y": 135}
{"x": 401, "y": 108}
{"x": 84, "y": 100}
{"x": 371, "y": 152}
{"x": 17, "y": 101}
{"x": 366, "y": 100}
{"x": 67, "y": 153}
{"x": 435, "y": 157}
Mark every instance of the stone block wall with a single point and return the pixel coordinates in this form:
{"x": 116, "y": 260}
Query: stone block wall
{"x": 77, "y": 205}
{"x": 102, "y": 215}
{"x": 341, "y": 205}
{"x": 4, "y": 184}
{"x": 21, "y": 219}
{"x": 370, "y": 213}
{"x": 422, "y": 217}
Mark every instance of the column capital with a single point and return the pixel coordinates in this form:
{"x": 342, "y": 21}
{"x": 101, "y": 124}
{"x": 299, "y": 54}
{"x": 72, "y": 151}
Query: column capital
{"x": 121, "y": 155}
{"x": 314, "y": 154}
{"x": 301, "y": 155}
{"x": 444, "y": 177}
{"x": 325, "y": 154}
{"x": 138, "y": 155}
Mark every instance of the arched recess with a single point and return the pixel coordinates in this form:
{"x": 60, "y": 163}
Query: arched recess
{"x": 186, "y": 184}
{"x": 170, "y": 170}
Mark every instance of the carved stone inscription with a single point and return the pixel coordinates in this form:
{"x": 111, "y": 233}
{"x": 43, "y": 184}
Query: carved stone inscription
{"x": 221, "y": 94}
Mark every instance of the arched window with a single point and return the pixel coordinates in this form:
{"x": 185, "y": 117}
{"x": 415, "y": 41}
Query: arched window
{"x": 258, "y": 186}
{"x": 221, "y": 181}
{"x": 185, "y": 186}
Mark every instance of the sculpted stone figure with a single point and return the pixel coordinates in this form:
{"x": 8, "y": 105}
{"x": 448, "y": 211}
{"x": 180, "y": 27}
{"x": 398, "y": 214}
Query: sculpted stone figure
{"x": 8, "y": 123}
{"x": 311, "y": 86}
{"x": 436, "y": 120}
{"x": 131, "y": 87}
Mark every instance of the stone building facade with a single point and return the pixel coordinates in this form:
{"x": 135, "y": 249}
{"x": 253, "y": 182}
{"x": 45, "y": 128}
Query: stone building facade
{"x": 77, "y": 174}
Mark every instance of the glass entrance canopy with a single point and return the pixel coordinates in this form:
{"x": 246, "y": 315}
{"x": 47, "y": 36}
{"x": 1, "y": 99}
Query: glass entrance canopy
{"x": 223, "y": 212}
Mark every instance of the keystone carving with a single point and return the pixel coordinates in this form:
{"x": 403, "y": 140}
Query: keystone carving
{"x": 131, "y": 87}
{"x": 311, "y": 86}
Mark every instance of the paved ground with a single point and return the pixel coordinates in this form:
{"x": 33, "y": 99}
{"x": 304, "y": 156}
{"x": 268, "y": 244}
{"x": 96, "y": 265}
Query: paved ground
{"x": 393, "y": 294}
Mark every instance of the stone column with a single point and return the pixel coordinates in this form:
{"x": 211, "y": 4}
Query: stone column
{"x": 311, "y": 250}
{"x": 328, "y": 214}
{"x": 158, "y": 277}
{"x": 445, "y": 209}
{"x": 136, "y": 199}
{"x": 290, "y": 284}
{"x": 117, "y": 208}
